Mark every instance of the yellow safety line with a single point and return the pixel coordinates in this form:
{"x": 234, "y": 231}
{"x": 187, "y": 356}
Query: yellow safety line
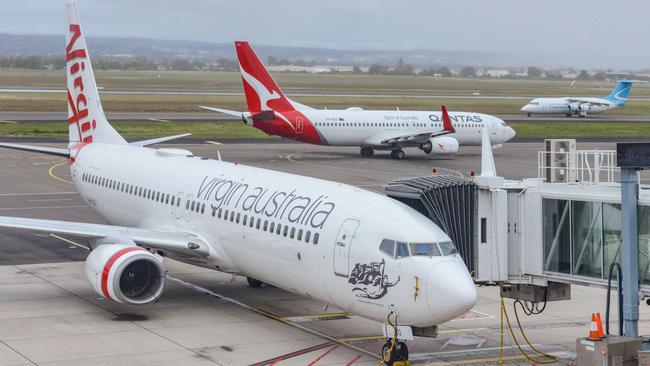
{"x": 51, "y": 173}
{"x": 318, "y": 316}
{"x": 213, "y": 143}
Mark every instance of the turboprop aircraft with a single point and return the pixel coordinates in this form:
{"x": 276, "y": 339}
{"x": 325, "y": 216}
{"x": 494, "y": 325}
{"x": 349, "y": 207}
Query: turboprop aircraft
{"x": 274, "y": 113}
{"x": 355, "y": 249}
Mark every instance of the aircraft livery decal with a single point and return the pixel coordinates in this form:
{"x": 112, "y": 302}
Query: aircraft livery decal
{"x": 370, "y": 280}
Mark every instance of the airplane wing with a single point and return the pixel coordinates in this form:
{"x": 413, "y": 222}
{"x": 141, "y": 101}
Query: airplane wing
{"x": 39, "y": 149}
{"x": 424, "y": 136}
{"x": 159, "y": 140}
{"x": 181, "y": 243}
{"x": 224, "y": 111}
{"x": 586, "y": 101}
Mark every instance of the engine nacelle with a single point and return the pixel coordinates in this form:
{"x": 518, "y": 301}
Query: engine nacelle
{"x": 441, "y": 145}
{"x": 584, "y": 107}
{"x": 125, "y": 273}
{"x": 574, "y": 107}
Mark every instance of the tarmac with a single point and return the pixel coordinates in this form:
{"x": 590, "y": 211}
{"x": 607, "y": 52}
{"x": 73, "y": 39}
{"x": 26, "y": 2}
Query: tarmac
{"x": 59, "y": 117}
{"x": 49, "y": 314}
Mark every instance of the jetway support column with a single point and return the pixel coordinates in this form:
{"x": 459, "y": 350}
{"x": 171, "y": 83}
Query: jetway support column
{"x": 630, "y": 251}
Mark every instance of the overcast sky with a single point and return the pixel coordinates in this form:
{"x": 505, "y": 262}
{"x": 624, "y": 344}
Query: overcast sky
{"x": 594, "y": 33}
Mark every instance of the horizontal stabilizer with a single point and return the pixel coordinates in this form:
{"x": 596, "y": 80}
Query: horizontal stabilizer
{"x": 224, "y": 111}
{"x": 159, "y": 140}
{"x": 264, "y": 116}
{"x": 39, "y": 149}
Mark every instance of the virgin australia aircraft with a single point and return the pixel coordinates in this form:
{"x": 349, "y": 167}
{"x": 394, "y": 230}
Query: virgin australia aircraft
{"x": 274, "y": 113}
{"x": 579, "y": 106}
{"x": 342, "y": 245}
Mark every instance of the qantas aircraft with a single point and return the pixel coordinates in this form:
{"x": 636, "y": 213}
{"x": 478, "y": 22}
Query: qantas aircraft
{"x": 274, "y": 113}
{"x": 358, "y": 250}
{"x": 580, "y": 106}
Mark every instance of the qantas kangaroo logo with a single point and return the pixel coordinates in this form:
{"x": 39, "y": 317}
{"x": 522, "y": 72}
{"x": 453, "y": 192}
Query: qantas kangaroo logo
{"x": 78, "y": 111}
{"x": 264, "y": 95}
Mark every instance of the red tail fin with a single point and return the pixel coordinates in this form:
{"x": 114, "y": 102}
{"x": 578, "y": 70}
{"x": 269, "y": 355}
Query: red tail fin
{"x": 446, "y": 121}
{"x": 262, "y": 93}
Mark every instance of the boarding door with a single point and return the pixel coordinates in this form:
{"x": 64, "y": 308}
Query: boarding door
{"x": 299, "y": 125}
{"x": 342, "y": 247}
{"x": 177, "y": 207}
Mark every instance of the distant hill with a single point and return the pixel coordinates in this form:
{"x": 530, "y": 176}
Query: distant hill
{"x": 156, "y": 49}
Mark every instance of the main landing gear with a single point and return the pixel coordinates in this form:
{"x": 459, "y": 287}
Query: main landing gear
{"x": 254, "y": 283}
{"x": 367, "y": 151}
{"x": 397, "y": 154}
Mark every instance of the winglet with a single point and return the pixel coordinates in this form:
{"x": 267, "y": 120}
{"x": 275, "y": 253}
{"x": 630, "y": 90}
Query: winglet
{"x": 446, "y": 121}
{"x": 488, "y": 168}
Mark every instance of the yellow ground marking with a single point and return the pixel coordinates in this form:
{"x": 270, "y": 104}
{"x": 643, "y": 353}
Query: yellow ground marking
{"x": 317, "y": 316}
{"x": 159, "y": 120}
{"x": 213, "y": 143}
{"x": 50, "y": 172}
{"x": 70, "y": 241}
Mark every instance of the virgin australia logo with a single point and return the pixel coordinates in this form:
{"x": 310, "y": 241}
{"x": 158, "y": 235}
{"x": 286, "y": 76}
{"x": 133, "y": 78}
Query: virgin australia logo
{"x": 370, "y": 280}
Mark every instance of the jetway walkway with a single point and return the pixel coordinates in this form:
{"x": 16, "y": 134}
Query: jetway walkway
{"x": 535, "y": 231}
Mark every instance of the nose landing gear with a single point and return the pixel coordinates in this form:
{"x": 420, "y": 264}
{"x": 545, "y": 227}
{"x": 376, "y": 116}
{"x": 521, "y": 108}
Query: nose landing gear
{"x": 394, "y": 352}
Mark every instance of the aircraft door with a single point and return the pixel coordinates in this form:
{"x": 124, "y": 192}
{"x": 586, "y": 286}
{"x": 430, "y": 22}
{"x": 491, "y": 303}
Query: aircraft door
{"x": 342, "y": 247}
{"x": 177, "y": 208}
{"x": 185, "y": 206}
{"x": 299, "y": 125}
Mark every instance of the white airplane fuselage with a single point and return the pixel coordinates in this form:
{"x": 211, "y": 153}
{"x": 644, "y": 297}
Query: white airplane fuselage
{"x": 217, "y": 200}
{"x": 565, "y": 106}
{"x": 355, "y": 127}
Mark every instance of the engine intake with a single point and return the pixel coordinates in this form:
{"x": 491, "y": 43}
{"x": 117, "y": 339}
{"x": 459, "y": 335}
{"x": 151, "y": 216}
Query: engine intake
{"x": 125, "y": 273}
{"x": 441, "y": 145}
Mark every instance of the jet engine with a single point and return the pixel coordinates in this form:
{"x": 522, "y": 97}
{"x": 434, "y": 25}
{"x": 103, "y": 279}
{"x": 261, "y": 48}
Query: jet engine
{"x": 125, "y": 273}
{"x": 440, "y": 145}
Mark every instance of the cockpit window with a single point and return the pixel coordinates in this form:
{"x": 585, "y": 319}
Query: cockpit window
{"x": 388, "y": 247}
{"x": 503, "y": 124}
{"x": 426, "y": 249}
{"x": 448, "y": 248}
{"x": 402, "y": 250}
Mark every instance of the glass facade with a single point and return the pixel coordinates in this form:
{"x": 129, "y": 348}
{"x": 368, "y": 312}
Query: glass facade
{"x": 583, "y": 238}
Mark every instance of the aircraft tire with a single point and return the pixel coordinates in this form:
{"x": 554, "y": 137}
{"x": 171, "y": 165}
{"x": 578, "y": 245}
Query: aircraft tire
{"x": 367, "y": 151}
{"x": 254, "y": 283}
{"x": 397, "y": 154}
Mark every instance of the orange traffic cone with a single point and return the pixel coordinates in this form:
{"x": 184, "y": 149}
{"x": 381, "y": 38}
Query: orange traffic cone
{"x": 593, "y": 329}
{"x": 599, "y": 326}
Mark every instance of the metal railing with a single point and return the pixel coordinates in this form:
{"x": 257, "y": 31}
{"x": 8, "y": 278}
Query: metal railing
{"x": 579, "y": 166}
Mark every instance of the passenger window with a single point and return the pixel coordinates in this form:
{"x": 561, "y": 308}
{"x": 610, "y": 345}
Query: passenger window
{"x": 167, "y": 199}
{"x": 316, "y": 236}
{"x": 157, "y": 196}
{"x": 402, "y": 250}
{"x": 286, "y": 230}
{"x": 299, "y": 234}
{"x": 388, "y": 247}
{"x": 219, "y": 214}
{"x": 307, "y": 236}
{"x": 173, "y": 199}
{"x": 225, "y": 215}
{"x": 252, "y": 221}
{"x": 278, "y": 229}
{"x": 245, "y": 220}
{"x": 259, "y": 221}
{"x": 266, "y": 224}
{"x": 192, "y": 207}
{"x": 203, "y": 208}
{"x": 272, "y": 227}
{"x": 293, "y": 232}
{"x": 237, "y": 219}
{"x": 232, "y": 216}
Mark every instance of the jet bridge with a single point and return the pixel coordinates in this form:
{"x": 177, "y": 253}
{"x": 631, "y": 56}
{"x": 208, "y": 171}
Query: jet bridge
{"x": 536, "y": 236}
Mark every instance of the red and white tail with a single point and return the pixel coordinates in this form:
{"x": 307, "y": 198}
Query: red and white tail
{"x": 262, "y": 93}
{"x": 86, "y": 120}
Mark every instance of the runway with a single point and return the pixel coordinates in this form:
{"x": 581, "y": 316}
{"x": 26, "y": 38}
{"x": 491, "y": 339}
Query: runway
{"x": 49, "y": 315}
{"x": 59, "y": 117}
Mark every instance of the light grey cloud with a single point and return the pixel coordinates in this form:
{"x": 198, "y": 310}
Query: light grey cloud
{"x": 595, "y": 33}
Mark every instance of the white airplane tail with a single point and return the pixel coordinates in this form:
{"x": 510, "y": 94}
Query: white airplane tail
{"x": 86, "y": 120}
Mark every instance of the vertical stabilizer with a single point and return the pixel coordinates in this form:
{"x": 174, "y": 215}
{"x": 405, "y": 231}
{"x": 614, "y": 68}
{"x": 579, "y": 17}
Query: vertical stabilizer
{"x": 488, "y": 168}
{"x": 86, "y": 120}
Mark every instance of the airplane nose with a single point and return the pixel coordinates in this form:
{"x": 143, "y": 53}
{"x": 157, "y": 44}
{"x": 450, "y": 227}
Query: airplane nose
{"x": 510, "y": 132}
{"x": 450, "y": 290}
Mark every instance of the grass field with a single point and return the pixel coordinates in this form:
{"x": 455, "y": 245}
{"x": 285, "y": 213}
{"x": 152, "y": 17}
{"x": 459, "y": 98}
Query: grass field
{"x": 209, "y": 130}
{"x": 306, "y": 83}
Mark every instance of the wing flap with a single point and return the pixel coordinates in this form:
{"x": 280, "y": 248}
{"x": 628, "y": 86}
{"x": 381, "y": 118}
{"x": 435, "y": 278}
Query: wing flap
{"x": 420, "y": 138}
{"x": 178, "y": 242}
